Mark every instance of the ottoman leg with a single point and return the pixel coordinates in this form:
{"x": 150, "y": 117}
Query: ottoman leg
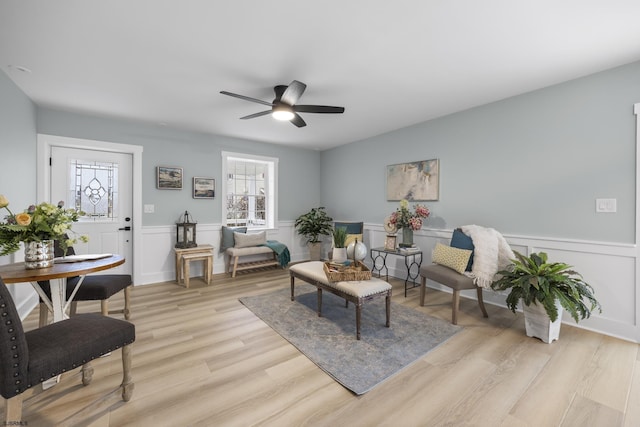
{"x": 358, "y": 316}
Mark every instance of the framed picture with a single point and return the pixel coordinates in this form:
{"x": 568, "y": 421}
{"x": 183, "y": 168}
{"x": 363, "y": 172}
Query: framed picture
{"x": 169, "y": 178}
{"x": 390, "y": 242}
{"x": 204, "y": 188}
{"x": 415, "y": 181}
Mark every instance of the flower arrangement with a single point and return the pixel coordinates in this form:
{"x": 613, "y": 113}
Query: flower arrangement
{"x": 42, "y": 222}
{"x": 404, "y": 218}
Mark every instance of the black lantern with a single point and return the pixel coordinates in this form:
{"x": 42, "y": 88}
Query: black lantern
{"x": 186, "y": 232}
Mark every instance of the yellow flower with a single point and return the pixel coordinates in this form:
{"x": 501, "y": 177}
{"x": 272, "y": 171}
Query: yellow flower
{"x": 23, "y": 218}
{"x": 404, "y": 203}
{"x": 3, "y": 201}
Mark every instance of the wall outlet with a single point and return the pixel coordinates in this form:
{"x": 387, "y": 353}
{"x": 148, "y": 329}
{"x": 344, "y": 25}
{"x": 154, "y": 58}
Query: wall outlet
{"x": 149, "y": 208}
{"x": 606, "y": 205}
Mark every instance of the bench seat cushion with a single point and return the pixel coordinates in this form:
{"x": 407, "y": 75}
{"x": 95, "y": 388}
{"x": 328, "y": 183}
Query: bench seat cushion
{"x": 253, "y": 250}
{"x": 446, "y": 276}
{"x": 361, "y": 288}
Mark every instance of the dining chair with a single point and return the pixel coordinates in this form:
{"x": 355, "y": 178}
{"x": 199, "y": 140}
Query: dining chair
{"x": 98, "y": 287}
{"x": 27, "y": 359}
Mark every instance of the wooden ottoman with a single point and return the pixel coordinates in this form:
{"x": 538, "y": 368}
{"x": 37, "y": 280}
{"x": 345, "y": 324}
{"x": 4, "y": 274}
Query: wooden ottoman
{"x": 357, "y": 291}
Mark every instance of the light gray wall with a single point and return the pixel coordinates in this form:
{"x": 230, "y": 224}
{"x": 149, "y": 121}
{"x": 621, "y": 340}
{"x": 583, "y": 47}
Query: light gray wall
{"x": 17, "y": 146}
{"x": 17, "y": 164}
{"x": 198, "y": 155}
{"x": 529, "y": 165}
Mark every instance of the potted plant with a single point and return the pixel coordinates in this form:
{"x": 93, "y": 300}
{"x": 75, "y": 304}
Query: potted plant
{"x": 339, "y": 244}
{"x": 545, "y": 289}
{"x": 312, "y": 225}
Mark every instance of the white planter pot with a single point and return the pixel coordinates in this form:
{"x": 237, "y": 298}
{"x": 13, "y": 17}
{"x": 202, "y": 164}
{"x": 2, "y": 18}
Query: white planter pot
{"x": 339, "y": 254}
{"x": 538, "y": 324}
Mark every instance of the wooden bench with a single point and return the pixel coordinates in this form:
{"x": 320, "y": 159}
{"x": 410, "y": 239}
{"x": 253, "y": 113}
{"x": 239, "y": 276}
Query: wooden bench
{"x": 357, "y": 291}
{"x": 234, "y": 254}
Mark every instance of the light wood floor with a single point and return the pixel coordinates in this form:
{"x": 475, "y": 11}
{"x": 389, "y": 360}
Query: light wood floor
{"x": 202, "y": 359}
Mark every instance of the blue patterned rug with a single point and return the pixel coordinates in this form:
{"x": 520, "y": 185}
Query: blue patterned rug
{"x": 330, "y": 341}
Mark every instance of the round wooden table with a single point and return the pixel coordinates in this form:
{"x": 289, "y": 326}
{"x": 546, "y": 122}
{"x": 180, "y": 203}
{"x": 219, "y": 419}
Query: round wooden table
{"x": 57, "y": 275}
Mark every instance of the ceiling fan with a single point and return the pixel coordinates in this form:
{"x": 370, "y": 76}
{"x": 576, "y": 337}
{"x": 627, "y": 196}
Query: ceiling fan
{"x": 284, "y": 106}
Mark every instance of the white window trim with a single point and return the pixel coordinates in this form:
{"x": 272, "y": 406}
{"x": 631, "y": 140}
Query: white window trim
{"x": 273, "y": 182}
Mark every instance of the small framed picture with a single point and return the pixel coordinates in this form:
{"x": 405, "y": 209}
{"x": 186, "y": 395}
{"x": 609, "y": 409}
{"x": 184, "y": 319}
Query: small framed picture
{"x": 390, "y": 243}
{"x": 204, "y": 188}
{"x": 169, "y": 178}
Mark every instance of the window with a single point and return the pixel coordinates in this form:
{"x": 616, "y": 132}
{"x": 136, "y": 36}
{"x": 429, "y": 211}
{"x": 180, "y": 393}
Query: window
{"x": 93, "y": 190}
{"x": 249, "y": 190}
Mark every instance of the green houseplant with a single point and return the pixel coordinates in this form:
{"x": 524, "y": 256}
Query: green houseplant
{"x": 339, "y": 244}
{"x": 312, "y": 225}
{"x": 551, "y": 285}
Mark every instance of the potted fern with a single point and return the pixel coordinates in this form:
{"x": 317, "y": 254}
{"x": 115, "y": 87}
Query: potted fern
{"x": 339, "y": 244}
{"x": 545, "y": 289}
{"x": 312, "y": 225}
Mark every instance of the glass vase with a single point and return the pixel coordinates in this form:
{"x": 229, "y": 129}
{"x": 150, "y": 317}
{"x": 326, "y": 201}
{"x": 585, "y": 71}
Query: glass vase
{"x": 407, "y": 236}
{"x": 38, "y": 254}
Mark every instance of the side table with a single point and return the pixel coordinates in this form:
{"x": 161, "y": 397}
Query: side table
{"x": 198, "y": 253}
{"x": 411, "y": 260}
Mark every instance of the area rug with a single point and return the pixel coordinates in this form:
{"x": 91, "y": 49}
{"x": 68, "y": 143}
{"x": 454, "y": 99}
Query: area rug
{"x": 330, "y": 341}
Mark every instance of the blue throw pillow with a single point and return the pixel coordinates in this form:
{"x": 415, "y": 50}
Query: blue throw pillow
{"x": 227, "y": 237}
{"x": 462, "y": 241}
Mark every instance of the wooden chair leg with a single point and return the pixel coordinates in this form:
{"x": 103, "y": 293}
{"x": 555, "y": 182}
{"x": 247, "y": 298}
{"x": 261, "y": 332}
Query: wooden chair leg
{"x": 104, "y": 307}
{"x": 481, "y": 302}
{"x": 127, "y": 382}
{"x": 87, "y": 373}
{"x": 44, "y": 314}
{"x": 456, "y": 304}
{"x": 127, "y": 302}
{"x": 13, "y": 411}
{"x": 423, "y": 289}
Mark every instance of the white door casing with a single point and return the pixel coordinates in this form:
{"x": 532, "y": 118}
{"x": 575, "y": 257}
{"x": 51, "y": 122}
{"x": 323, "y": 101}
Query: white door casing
{"x": 44, "y": 148}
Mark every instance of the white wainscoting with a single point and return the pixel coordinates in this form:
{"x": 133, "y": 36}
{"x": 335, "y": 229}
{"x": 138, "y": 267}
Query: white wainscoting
{"x": 158, "y": 263}
{"x": 609, "y": 267}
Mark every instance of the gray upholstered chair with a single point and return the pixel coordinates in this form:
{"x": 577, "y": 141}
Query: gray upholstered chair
{"x": 99, "y": 287}
{"x": 451, "y": 278}
{"x": 29, "y": 358}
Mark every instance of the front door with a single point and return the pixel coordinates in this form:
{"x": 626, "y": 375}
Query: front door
{"x": 100, "y": 184}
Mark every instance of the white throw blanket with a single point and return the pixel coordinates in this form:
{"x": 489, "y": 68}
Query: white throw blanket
{"x": 492, "y": 254}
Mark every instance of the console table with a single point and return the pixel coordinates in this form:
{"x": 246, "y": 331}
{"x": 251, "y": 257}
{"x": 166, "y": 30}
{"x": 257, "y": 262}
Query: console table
{"x": 411, "y": 260}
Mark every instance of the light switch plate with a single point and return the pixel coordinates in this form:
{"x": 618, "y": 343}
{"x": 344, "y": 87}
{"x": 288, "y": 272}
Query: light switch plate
{"x": 606, "y": 205}
{"x": 149, "y": 208}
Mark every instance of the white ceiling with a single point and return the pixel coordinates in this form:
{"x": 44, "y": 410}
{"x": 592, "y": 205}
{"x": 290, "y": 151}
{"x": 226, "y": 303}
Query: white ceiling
{"x": 389, "y": 63}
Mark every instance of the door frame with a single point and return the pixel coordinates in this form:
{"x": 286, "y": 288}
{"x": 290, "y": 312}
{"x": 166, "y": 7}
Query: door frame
{"x": 43, "y": 180}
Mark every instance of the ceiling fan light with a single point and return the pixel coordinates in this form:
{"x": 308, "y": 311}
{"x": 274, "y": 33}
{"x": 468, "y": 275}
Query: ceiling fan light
{"x": 282, "y": 114}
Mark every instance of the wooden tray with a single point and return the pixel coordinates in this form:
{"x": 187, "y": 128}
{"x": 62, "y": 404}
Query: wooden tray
{"x": 343, "y": 273}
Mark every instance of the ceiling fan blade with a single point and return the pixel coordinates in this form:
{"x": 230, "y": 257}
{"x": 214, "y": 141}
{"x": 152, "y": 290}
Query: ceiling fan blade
{"x": 254, "y": 115}
{"x": 297, "y": 120}
{"x": 318, "y": 109}
{"x": 293, "y": 92}
{"x": 246, "y": 98}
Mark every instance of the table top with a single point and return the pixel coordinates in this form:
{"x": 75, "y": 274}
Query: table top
{"x": 396, "y": 251}
{"x": 199, "y": 248}
{"x": 16, "y": 273}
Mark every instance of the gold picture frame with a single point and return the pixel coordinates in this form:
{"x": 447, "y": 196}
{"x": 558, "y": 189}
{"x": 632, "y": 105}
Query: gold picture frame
{"x": 390, "y": 242}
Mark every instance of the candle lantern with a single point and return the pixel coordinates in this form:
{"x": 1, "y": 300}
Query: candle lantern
{"x": 186, "y": 232}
